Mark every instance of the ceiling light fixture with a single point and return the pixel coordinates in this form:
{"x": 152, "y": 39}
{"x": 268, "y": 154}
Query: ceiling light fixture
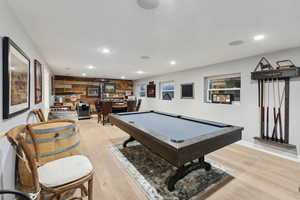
{"x": 172, "y": 62}
{"x": 259, "y": 37}
{"x": 140, "y": 72}
{"x": 236, "y": 43}
{"x": 122, "y": 77}
{"x": 145, "y": 57}
{"x": 105, "y": 51}
{"x": 83, "y": 74}
{"x": 91, "y": 67}
{"x": 148, "y": 4}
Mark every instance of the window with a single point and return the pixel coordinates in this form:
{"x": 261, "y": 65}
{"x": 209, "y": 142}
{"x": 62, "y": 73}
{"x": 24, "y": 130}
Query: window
{"x": 167, "y": 90}
{"x": 222, "y": 87}
{"x": 142, "y": 90}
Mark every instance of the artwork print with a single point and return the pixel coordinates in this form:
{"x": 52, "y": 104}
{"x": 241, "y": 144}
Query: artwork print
{"x": 92, "y": 92}
{"x": 109, "y": 87}
{"x": 52, "y": 86}
{"x": 16, "y": 79}
{"x": 38, "y": 81}
{"x": 151, "y": 90}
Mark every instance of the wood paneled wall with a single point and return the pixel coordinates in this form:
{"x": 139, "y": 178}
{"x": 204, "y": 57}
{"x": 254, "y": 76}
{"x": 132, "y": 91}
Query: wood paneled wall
{"x": 66, "y": 85}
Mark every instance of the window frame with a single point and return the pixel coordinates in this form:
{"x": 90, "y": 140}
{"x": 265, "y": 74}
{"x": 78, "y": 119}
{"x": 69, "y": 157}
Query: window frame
{"x": 218, "y": 77}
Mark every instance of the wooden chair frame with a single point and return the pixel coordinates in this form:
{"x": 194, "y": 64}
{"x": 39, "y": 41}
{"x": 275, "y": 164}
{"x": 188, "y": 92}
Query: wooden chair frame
{"x": 17, "y": 137}
{"x": 106, "y": 110}
{"x": 131, "y": 106}
{"x": 38, "y": 113}
{"x": 99, "y": 110}
{"x": 138, "y": 106}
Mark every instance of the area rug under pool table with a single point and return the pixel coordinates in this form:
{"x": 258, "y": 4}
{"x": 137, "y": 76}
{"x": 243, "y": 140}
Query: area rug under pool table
{"x": 150, "y": 171}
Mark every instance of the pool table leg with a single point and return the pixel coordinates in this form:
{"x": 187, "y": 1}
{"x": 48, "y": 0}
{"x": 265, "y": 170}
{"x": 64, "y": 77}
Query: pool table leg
{"x": 184, "y": 170}
{"x": 131, "y": 139}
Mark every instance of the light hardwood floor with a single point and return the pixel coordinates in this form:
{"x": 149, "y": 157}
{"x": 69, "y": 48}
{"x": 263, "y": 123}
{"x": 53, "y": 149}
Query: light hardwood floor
{"x": 257, "y": 175}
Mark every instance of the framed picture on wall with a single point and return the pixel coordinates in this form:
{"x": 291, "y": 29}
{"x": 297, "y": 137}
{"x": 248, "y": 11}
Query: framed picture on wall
{"x": 187, "y": 91}
{"x": 38, "y": 82}
{"x": 52, "y": 85}
{"x": 151, "y": 92}
{"x": 93, "y": 92}
{"x": 109, "y": 88}
{"x": 16, "y": 79}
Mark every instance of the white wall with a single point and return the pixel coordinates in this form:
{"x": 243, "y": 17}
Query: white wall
{"x": 245, "y": 114}
{"x": 9, "y": 26}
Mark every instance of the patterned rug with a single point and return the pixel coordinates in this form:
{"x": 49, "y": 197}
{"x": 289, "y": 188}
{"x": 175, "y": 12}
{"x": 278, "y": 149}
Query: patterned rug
{"x": 151, "y": 172}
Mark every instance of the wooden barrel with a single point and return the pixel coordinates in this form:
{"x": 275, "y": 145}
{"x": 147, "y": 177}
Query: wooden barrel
{"x": 63, "y": 115}
{"x": 54, "y": 140}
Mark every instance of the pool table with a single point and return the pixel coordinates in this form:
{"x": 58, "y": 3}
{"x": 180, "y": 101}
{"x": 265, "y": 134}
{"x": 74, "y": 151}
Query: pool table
{"x": 180, "y": 140}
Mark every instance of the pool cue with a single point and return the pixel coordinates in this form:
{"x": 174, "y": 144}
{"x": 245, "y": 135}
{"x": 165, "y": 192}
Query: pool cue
{"x": 274, "y": 135}
{"x": 262, "y": 110}
{"x": 279, "y": 111}
{"x": 268, "y": 105}
{"x": 278, "y": 117}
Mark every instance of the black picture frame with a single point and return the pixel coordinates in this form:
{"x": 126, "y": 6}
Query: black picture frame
{"x": 16, "y": 79}
{"x": 92, "y": 89}
{"x": 151, "y": 90}
{"x": 52, "y": 86}
{"x": 38, "y": 82}
{"x": 109, "y": 87}
{"x": 187, "y": 91}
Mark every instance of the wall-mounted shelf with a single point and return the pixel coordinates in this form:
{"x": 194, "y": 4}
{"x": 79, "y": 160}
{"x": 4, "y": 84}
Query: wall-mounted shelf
{"x": 276, "y": 74}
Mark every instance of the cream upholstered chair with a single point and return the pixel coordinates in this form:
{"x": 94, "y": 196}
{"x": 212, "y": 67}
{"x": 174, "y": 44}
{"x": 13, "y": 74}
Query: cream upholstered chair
{"x": 55, "y": 178}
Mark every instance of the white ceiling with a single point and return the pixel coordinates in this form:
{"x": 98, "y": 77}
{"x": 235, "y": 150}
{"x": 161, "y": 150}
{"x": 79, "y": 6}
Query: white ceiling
{"x": 193, "y": 32}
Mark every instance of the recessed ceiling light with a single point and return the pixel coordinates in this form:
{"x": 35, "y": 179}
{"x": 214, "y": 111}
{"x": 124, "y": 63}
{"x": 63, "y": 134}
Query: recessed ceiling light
{"x": 140, "y": 72}
{"x": 259, "y": 37}
{"x": 105, "y": 50}
{"x": 91, "y": 67}
{"x": 145, "y": 57}
{"x": 172, "y": 62}
{"x": 148, "y": 4}
{"x": 236, "y": 43}
{"x": 122, "y": 77}
{"x": 83, "y": 74}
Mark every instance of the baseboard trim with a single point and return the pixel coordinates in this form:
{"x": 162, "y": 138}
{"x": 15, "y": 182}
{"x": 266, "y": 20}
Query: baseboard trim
{"x": 257, "y": 147}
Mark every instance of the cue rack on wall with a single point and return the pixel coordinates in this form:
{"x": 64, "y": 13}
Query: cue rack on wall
{"x": 269, "y": 79}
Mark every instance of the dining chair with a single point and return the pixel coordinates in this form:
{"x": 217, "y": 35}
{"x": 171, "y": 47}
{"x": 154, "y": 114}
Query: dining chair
{"x": 106, "y": 110}
{"x": 98, "y": 105}
{"x": 131, "y": 106}
{"x": 138, "y": 106}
